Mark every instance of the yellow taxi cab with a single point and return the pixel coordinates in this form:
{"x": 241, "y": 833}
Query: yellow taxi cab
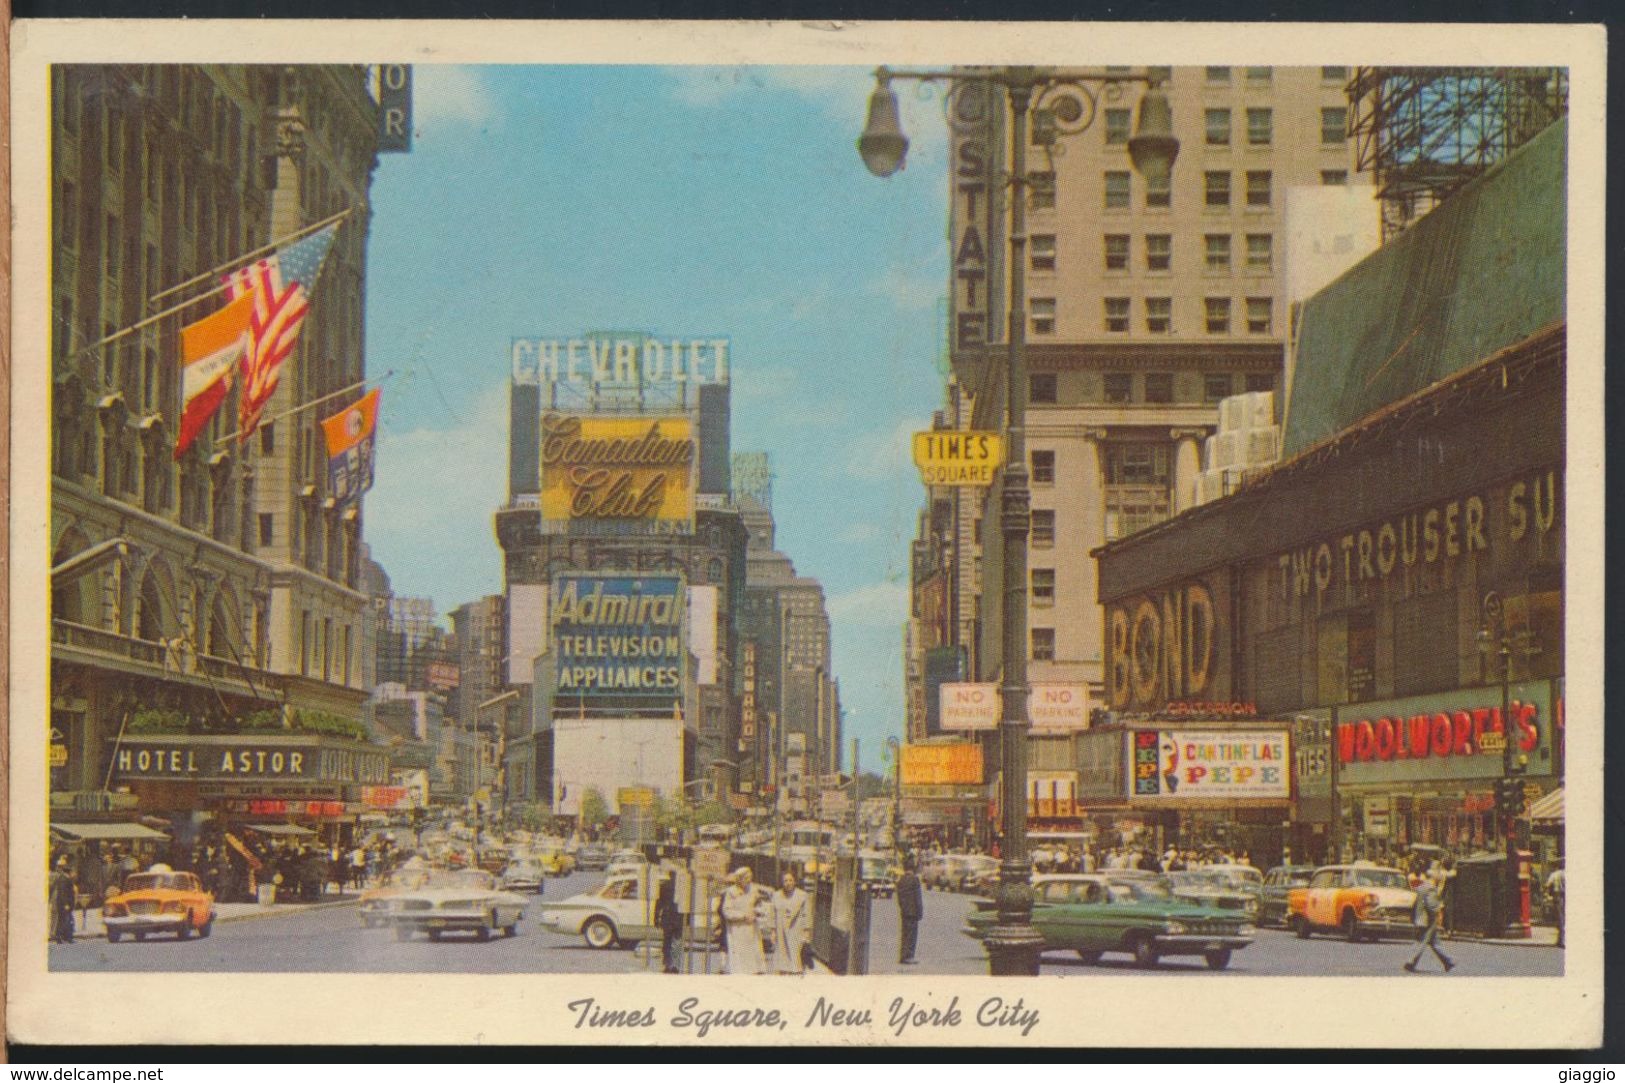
{"x": 159, "y": 900}
{"x": 1360, "y": 901}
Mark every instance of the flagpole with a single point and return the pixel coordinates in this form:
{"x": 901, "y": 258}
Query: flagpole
{"x": 307, "y": 406}
{"x": 149, "y": 321}
{"x": 278, "y": 243}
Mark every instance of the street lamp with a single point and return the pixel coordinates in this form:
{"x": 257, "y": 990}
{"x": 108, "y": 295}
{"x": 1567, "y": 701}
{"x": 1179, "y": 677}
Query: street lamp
{"x": 1496, "y": 640}
{"x": 1066, "y": 100}
{"x": 896, "y": 750}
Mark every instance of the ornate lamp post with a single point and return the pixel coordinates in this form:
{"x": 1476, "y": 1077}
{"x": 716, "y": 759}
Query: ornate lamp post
{"x": 1497, "y": 640}
{"x": 1066, "y": 99}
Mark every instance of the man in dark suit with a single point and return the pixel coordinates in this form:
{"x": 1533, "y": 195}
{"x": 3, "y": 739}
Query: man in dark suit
{"x": 910, "y": 907}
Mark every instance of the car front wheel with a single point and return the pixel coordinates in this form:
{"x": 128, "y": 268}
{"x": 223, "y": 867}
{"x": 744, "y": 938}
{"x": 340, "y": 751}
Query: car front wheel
{"x": 1218, "y": 960}
{"x": 1351, "y": 927}
{"x": 599, "y": 933}
{"x": 1300, "y": 925}
{"x": 113, "y": 936}
{"x": 1145, "y": 952}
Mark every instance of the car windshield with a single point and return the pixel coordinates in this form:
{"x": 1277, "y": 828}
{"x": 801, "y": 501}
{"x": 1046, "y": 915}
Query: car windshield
{"x": 1133, "y": 891}
{"x": 1379, "y": 878}
{"x": 1237, "y": 877}
{"x": 158, "y": 881}
{"x": 619, "y": 889}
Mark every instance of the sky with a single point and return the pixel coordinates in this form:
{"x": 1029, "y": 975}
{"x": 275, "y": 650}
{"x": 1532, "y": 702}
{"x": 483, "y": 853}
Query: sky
{"x": 552, "y": 201}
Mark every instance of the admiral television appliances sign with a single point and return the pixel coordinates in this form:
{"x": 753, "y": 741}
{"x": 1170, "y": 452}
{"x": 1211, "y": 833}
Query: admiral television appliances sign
{"x": 618, "y": 636}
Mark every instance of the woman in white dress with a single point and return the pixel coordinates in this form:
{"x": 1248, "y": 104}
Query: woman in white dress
{"x": 739, "y": 904}
{"x": 792, "y": 925}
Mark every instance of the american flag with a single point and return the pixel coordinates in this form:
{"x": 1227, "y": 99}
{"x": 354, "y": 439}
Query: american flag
{"x": 280, "y": 285}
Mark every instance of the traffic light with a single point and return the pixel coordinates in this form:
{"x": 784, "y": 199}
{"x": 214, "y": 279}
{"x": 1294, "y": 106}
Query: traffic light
{"x": 1508, "y": 796}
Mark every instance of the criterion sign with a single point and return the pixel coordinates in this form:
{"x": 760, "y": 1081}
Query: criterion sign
{"x": 948, "y": 457}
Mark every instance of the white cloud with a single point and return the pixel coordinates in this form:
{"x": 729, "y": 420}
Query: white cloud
{"x": 883, "y": 604}
{"x": 447, "y": 95}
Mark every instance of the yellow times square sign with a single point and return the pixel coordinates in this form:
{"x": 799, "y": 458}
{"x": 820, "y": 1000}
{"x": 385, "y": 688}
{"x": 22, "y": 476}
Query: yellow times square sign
{"x": 947, "y": 457}
{"x": 633, "y": 469}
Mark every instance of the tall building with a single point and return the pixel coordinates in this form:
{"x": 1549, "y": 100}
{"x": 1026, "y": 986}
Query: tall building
{"x": 1145, "y": 308}
{"x": 477, "y": 630}
{"x": 178, "y": 617}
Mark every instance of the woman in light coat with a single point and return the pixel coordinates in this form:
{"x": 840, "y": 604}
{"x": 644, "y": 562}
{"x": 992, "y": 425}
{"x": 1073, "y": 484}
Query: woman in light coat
{"x": 739, "y": 903}
{"x": 792, "y": 925}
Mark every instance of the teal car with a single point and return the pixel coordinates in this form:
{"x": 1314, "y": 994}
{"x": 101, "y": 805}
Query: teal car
{"x": 1095, "y": 914}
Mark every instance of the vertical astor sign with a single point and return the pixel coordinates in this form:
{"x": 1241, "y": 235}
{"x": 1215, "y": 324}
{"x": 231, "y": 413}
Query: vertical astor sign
{"x": 950, "y": 457}
{"x": 394, "y": 108}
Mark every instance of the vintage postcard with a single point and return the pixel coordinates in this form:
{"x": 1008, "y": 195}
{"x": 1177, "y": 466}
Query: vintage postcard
{"x": 806, "y": 533}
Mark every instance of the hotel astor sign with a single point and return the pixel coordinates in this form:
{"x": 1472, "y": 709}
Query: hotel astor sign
{"x": 217, "y": 759}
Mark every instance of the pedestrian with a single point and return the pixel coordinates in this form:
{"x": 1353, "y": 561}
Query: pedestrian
{"x": 60, "y": 899}
{"x": 910, "y": 909}
{"x": 1556, "y": 888}
{"x": 1427, "y": 915}
{"x": 669, "y": 919}
{"x": 739, "y": 903}
{"x": 792, "y": 926}
{"x": 358, "y": 866}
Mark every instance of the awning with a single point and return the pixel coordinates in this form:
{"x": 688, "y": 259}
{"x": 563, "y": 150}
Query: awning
{"x": 280, "y": 829}
{"x": 1548, "y": 808}
{"x": 84, "y": 832}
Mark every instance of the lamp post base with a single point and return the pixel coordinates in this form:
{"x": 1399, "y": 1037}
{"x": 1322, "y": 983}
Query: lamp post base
{"x": 1013, "y": 951}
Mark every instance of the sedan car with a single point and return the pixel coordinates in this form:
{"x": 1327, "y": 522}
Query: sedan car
{"x": 592, "y": 857}
{"x": 159, "y": 900}
{"x": 1277, "y": 882}
{"x": 1362, "y": 902}
{"x": 617, "y": 912}
{"x": 526, "y": 873}
{"x": 466, "y": 900}
{"x": 1092, "y": 914}
{"x": 376, "y": 902}
{"x": 1212, "y": 888}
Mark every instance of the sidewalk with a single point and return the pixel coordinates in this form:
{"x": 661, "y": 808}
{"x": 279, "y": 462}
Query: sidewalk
{"x": 93, "y": 929}
{"x": 1540, "y": 936}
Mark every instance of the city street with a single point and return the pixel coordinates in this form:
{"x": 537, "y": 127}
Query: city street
{"x": 332, "y": 940}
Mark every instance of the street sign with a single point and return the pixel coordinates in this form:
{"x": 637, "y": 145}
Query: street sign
{"x": 709, "y": 863}
{"x": 950, "y": 457}
{"x": 969, "y": 706}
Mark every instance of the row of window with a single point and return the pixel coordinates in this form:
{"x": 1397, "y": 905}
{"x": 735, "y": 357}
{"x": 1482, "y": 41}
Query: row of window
{"x": 1159, "y": 251}
{"x": 1217, "y": 189}
{"x": 1159, "y": 315}
{"x": 1222, "y": 75}
{"x": 1217, "y": 126}
{"x": 1120, "y": 388}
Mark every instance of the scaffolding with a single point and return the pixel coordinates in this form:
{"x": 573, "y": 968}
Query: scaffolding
{"x": 1425, "y": 132}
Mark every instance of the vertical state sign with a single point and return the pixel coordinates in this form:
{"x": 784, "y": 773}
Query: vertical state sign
{"x": 617, "y": 637}
{"x": 626, "y": 470}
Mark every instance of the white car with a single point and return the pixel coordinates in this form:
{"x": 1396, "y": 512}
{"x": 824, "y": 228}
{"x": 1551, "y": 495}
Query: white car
{"x": 616, "y": 913}
{"x": 466, "y": 900}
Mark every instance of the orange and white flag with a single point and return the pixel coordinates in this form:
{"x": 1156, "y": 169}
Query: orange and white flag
{"x": 210, "y": 351}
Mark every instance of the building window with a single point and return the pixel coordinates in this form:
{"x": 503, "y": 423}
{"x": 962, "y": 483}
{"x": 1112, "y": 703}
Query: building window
{"x": 1217, "y": 251}
{"x": 1334, "y": 74}
{"x": 1043, "y": 252}
{"x": 1117, "y": 121}
{"x": 1159, "y": 193}
{"x": 1259, "y": 75}
{"x": 1258, "y": 188}
{"x": 1043, "y": 644}
{"x": 1260, "y": 251}
{"x": 1043, "y": 465}
{"x": 1117, "y": 191}
{"x": 267, "y": 528}
{"x": 1042, "y": 310}
{"x": 1334, "y": 177}
{"x": 267, "y": 437}
{"x": 1160, "y": 73}
{"x": 1043, "y": 586}
{"x": 1260, "y": 381}
{"x": 1159, "y": 251}
{"x": 1137, "y": 464}
{"x": 1218, "y": 127}
{"x": 1216, "y": 385}
{"x": 1119, "y": 388}
{"x": 1041, "y": 190}
{"x": 1117, "y": 250}
{"x": 1159, "y": 388}
{"x": 1043, "y": 388}
{"x": 1117, "y": 315}
{"x": 1043, "y": 532}
{"x": 1334, "y": 125}
{"x": 1260, "y": 127}
{"x": 1218, "y": 315}
{"x": 1217, "y": 186}
{"x": 1159, "y": 315}
{"x": 1258, "y": 315}
{"x": 1217, "y": 74}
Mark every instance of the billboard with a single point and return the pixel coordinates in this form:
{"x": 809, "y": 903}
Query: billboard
{"x": 1211, "y": 765}
{"x": 617, "y": 469}
{"x": 942, "y": 765}
{"x": 618, "y": 636}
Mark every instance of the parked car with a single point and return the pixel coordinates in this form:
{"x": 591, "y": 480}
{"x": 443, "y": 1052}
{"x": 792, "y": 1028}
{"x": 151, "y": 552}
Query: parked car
{"x": 592, "y": 857}
{"x": 1277, "y": 882}
{"x": 627, "y": 863}
{"x": 1212, "y": 887}
{"x": 1363, "y": 902}
{"x": 377, "y": 901}
{"x": 876, "y": 872}
{"x": 1094, "y": 913}
{"x": 159, "y": 900}
{"x": 525, "y": 873}
{"x": 616, "y": 912}
{"x": 467, "y": 900}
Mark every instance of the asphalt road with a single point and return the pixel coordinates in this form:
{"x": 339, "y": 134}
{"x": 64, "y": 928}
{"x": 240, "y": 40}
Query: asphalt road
{"x": 331, "y": 940}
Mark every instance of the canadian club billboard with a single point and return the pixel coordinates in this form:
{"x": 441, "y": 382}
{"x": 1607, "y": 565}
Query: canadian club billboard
{"x": 619, "y": 472}
{"x": 617, "y": 636}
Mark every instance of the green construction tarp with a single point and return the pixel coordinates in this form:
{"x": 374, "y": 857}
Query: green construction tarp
{"x": 1483, "y": 271}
